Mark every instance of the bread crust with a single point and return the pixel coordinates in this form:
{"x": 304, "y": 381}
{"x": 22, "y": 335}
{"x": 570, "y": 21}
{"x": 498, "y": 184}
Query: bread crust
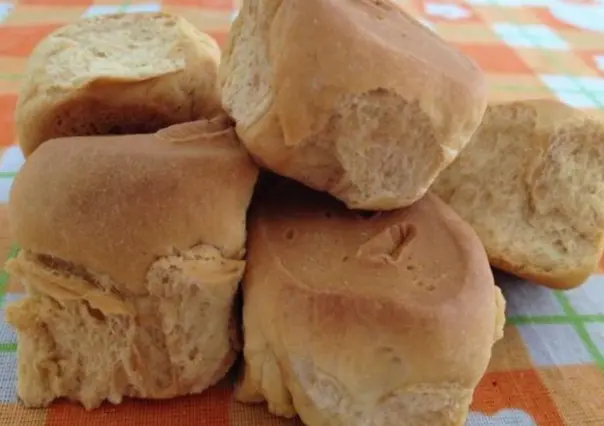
{"x": 371, "y": 117}
{"x": 351, "y": 320}
{"x": 117, "y": 74}
{"x": 126, "y": 200}
{"x": 530, "y": 183}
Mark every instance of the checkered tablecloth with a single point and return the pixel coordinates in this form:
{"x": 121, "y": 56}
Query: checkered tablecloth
{"x": 548, "y": 370}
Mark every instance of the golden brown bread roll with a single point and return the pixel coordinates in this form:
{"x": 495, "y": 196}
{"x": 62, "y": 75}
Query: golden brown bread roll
{"x": 122, "y": 73}
{"x": 131, "y": 257}
{"x": 351, "y": 319}
{"x": 531, "y": 183}
{"x": 355, "y": 98}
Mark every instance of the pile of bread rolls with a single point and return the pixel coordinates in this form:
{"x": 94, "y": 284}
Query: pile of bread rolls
{"x": 337, "y": 159}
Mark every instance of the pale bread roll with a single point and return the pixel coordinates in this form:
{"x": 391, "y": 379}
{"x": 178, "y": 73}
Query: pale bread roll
{"x": 117, "y": 74}
{"x": 131, "y": 258}
{"x": 531, "y": 183}
{"x": 355, "y": 98}
{"x": 354, "y": 319}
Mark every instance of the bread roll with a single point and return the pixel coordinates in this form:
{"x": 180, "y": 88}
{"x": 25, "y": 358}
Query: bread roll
{"x": 531, "y": 183}
{"x": 131, "y": 257}
{"x": 354, "y": 98}
{"x": 353, "y": 320}
{"x": 113, "y": 74}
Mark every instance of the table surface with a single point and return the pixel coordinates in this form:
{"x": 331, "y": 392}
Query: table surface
{"x": 548, "y": 370}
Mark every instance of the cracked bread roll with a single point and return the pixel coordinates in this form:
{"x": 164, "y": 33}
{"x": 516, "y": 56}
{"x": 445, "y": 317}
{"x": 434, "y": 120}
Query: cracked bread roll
{"x": 531, "y": 183}
{"x": 353, "y": 319}
{"x": 351, "y": 97}
{"x": 131, "y": 257}
{"x": 117, "y": 74}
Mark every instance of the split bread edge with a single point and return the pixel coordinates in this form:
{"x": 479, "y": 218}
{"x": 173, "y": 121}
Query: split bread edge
{"x": 531, "y": 184}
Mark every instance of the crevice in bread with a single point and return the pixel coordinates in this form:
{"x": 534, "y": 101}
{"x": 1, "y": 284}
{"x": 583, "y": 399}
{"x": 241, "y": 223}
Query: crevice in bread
{"x": 220, "y": 127}
{"x": 61, "y": 269}
{"x": 248, "y": 56}
{"x": 111, "y": 346}
{"x": 389, "y": 245}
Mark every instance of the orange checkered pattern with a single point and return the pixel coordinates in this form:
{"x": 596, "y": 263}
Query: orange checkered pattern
{"x": 548, "y": 370}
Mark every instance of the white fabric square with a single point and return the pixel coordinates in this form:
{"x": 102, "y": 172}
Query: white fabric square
{"x": 5, "y": 185}
{"x": 12, "y": 160}
{"x": 554, "y": 344}
{"x": 588, "y": 299}
{"x": 8, "y": 377}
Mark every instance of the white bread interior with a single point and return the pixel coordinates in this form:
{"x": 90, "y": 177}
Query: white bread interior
{"x": 371, "y": 116}
{"x": 531, "y": 183}
{"x": 353, "y": 319}
{"x": 117, "y": 74}
{"x": 131, "y": 258}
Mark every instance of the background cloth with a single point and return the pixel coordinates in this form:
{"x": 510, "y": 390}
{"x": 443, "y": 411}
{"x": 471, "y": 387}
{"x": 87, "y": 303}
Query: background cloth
{"x": 548, "y": 370}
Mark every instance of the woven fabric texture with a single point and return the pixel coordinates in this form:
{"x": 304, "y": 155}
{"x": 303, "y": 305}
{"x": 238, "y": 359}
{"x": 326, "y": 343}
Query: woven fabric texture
{"x": 549, "y": 369}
